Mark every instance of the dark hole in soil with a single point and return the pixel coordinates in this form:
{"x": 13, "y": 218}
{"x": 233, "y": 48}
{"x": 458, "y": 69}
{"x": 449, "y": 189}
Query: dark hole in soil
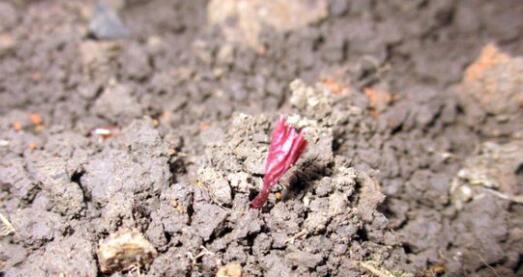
{"x": 362, "y": 234}
{"x": 75, "y": 178}
{"x": 519, "y": 174}
{"x": 168, "y": 236}
{"x": 407, "y": 248}
{"x": 177, "y": 167}
{"x": 519, "y": 264}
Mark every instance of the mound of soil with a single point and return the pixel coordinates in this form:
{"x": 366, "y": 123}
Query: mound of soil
{"x": 137, "y": 150}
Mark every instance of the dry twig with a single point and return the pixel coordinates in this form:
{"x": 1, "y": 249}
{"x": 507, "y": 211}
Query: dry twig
{"x": 514, "y": 198}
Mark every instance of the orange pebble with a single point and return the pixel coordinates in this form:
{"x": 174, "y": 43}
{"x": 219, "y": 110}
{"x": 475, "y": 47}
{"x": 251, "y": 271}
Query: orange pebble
{"x": 17, "y": 126}
{"x": 156, "y": 123}
{"x": 36, "y": 119}
{"x": 334, "y": 86}
{"x": 379, "y": 99}
{"x": 204, "y": 126}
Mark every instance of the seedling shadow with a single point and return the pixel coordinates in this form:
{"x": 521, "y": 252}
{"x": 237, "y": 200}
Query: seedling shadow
{"x": 303, "y": 177}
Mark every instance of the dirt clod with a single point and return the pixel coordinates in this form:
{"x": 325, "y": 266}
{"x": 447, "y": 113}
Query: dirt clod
{"x": 106, "y": 24}
{"x": 125, "y": 250}
{"x": 252, "y": 15}
{"x": 495, "y": 167}
{"x": 230, "y": 270}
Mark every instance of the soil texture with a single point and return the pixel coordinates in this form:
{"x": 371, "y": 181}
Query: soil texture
{"x": 133, "y": 136}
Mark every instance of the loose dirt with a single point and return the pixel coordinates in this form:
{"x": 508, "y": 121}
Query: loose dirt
{"x": 139, "y": 155}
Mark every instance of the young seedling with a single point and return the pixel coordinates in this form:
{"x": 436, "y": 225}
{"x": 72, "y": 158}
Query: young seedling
{"x": 287, "y": 145}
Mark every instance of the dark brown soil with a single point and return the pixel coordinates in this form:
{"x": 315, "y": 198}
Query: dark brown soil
{"x": 412, "y": 110}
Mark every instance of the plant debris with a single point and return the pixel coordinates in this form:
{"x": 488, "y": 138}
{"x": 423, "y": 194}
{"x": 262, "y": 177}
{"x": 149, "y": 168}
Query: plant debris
{"x": 7, "y": 228}
{"x": 125, "y": 250}
{"x": 230, "y": 270}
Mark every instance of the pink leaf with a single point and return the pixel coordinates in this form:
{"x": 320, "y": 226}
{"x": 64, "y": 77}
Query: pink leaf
{"x": 286, "y": 147}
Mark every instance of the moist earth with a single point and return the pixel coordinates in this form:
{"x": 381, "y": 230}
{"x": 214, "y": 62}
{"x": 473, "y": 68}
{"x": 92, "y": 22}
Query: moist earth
{"x": 136, "y": 149}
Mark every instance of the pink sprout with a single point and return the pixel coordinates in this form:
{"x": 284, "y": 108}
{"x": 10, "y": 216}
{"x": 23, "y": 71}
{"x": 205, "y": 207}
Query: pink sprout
{"x": 287, "y": 145}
